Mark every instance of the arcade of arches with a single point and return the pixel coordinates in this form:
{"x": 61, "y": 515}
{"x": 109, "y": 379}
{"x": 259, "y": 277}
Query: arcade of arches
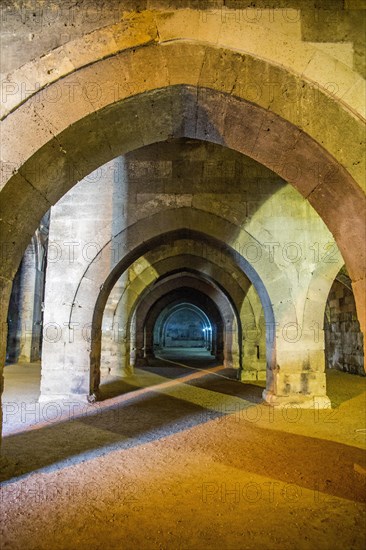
{"x": 183, "y": 241}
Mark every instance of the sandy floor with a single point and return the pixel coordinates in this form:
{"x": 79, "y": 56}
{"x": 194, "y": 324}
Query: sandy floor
{"x": 182, "y": 458}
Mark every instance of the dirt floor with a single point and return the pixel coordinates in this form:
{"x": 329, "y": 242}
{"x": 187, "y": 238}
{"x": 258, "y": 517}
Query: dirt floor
{"x": 179, "y": 458}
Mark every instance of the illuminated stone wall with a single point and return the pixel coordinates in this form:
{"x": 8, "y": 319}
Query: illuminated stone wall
{"x": 84, "y": 84}
{"x": 343, "y": 338}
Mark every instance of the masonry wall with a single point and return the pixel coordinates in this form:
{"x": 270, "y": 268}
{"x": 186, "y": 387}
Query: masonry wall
{"x": 327, "y": 24}
{"x": 343, "y": 338}
{"x": 291, "y": 241}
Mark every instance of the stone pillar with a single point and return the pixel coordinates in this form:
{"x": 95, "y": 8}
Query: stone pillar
{"x": 140, "y": 359}
{"x": 115, "y": 357}
{"x": 254, "y": 354}
{"x": 149, "y": 344}
{"x": 298, "y": 378}
{"x": 219, "y": 341}
{"x": 231, "y": 347}
{"x": 63, "y": 379}
{"x": 81, "y": 223}
{"x": 25, "y": 311}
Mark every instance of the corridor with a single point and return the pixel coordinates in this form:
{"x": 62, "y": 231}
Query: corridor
{"x": 179, "y": 455}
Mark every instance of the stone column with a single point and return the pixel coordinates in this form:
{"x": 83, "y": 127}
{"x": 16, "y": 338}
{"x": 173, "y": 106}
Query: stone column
{"x": 25, "y": 311}
{"x": 298, "y": 378}
{"x": 115, "y": 358}
{"x": 81, "y": 223}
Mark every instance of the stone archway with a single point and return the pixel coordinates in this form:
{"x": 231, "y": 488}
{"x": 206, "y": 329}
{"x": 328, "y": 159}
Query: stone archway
{"x": 241, "y": 125}
{"x": 197, "y": 282}
{"x": 199, "y": 106}
{"x": 92, "y": 293}
{"x": 217, "y": 117}
{"x": 167, "y": 261}
{"x": 172, "y": 303}
{"x": 98, "y": 280}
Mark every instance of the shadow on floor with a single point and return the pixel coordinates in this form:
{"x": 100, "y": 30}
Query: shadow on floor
{"x": 224, "y": 381}
{"x": 153, "y": 416}
{"x": 178, "y": 400}
{"x": 149, "y": 414}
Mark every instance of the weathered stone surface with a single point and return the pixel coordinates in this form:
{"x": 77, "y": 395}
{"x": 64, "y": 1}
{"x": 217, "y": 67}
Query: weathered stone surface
{"x": 162, "y": 170}
{"x": 82, "y": 93}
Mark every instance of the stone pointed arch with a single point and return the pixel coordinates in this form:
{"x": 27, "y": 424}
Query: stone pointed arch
{"x": 179, "y": 111}
{"x": 71, "y": 137}
{"x": 196, "y": 280}
{"x": 124, "y": 249}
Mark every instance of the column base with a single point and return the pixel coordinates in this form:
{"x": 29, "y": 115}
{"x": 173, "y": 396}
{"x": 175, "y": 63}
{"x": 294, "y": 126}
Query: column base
{"x": 122, "y": 372}
{"x": 74, "y": 398}
{"x": 301, "y": 401}
{"x": 231, "y": 361}
{"x": 248, "y": 376}
{"x": 141, "y": 362}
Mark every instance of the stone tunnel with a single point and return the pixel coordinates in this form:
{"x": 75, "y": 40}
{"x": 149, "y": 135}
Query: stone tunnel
{"x": 183, "y": 291}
